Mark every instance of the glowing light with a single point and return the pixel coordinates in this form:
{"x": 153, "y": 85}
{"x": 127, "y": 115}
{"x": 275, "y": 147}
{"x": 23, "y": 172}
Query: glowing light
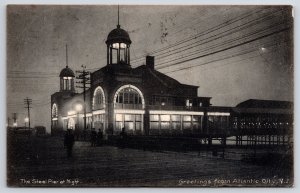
{"x": 15, "y": 124}
{"x": 129, "y": 111}
{"x": 165, "y": 117}
{"x": 78, "y": 107}
{"x": 218, "y": 114}
{"x": 67, "y": 78}
{"x": 26, "y": 120}
{"x": 98, "y": 112}
{"x": 119, "y": 45}
{"x": 132, "y": 87}
{"x": 54, "y": 119}
{"x": 119, "y": 117}
{"x": 71, "y": 112}
{"x": 98, "y": 91}
{"x": 175, "y": 112}
{"x": 54, "y": 110}
{"x": 89, "y": 115}
{"x": 263, "y": 49}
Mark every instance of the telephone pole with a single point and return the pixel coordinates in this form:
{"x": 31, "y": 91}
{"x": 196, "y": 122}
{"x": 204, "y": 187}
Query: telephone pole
{"x": 15, "y": 119}
{"x": 84, "y": 78}
{"x": 28, "y": 102}
{"x": 8, "y": 120}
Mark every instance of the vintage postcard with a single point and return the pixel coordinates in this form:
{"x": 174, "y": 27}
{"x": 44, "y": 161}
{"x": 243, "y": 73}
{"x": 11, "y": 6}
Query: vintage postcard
{"x": 150, "y": 96}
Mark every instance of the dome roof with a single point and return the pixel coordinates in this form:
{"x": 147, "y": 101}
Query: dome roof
{"x": 67, "y": 72}
{"x": 118, "y": 35}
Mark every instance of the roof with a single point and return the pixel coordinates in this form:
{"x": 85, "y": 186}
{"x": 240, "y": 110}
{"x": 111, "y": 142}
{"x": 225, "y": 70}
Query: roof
{"x": 118, "y": 35}
{"x": 262, "y": 111}
{"x": 162, "y": 78}
{"x": 270, "y": 104}
{"x": 161, "y": 84}
{"x": 67, "y": 72}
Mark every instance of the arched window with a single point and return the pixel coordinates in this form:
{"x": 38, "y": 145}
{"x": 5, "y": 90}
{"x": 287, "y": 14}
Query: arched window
{"x": 129, "y": 97}
{"x": 98, "y": 99}
{"x": 54, "y": 111}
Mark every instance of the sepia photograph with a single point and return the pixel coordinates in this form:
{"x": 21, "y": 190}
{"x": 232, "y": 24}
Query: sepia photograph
{"x": 150, "y": 95}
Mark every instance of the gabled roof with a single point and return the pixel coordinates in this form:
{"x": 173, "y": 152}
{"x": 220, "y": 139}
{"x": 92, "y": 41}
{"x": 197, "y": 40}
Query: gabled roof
{"x": 162, "y": 78}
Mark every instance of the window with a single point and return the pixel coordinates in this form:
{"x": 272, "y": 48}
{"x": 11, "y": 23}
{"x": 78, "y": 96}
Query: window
{"x": 197, "y": 122}
{"x": 188, "y": 103}
{"x": 128, "y": 97}
{"x": 165, "y": 118}
{"x": 54, "y": 111}
{"x": 176, "y": 122}
{"x": 131, "y": 122}
{"x": 154, "y": 121}
{"x": 98, "y": 99}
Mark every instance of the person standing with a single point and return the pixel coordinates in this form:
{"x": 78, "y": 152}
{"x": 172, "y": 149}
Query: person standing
{"x": 93, "y": 138}
{"x": 69, "y": 142}
{"x": 99, "y": 137}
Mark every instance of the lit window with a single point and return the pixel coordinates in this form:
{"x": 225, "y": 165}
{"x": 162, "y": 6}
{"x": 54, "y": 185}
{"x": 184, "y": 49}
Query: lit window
{"x": 128, "y": 96}
{"x": 165, "y": 117}
{"x": 115, "y": 45}
{"x": 188, "y": 103}
{"x": 98, "y": 99}
{"x": 154, "y": 117}
{"x": 119, "y": 45}
{"x": 54, "y": 110}
{"x": 119, "y": 117}
{"x": 187, "y": 118}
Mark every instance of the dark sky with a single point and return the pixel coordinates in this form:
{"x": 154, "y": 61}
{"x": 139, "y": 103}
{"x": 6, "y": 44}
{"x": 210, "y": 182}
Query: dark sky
{"x": 232, "y": 53}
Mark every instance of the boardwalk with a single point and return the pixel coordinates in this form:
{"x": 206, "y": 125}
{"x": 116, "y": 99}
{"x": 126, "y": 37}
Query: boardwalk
{"x": 43, "y": 162}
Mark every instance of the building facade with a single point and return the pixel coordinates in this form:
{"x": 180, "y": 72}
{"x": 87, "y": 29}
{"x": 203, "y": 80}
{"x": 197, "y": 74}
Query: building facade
{"x": 144, "y": 101}
{"x": 141, "y": 100}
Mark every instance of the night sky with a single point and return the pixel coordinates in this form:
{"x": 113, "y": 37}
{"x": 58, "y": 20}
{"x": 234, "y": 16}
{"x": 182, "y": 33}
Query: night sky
{"x": 233, "y": 53}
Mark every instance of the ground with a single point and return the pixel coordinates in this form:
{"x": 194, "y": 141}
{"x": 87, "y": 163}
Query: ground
{"x": 43, "y": 161}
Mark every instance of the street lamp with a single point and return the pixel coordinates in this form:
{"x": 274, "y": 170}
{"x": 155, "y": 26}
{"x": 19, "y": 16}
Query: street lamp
{"x": 78, "y": 107}
{"x": 15, "y": 124}
{"x": 26, "y": 120}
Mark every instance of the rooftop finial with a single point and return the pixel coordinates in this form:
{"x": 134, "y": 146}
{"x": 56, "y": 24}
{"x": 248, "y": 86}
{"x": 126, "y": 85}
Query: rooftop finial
{"x": 67, "y": 56}
{"x": 118, "y": 26}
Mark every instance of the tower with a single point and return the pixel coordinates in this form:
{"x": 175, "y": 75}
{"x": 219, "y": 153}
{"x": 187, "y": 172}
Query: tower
{"x": 67, "y": 77}
{"x": 118, "y": 46}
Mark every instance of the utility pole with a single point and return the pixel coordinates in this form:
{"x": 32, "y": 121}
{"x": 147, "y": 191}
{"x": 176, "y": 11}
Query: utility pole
{"x": 15, "y": 119}
{"x": 8, "y": 120}
{"x": 28, "y": 102}
{"x": 84, "y": 78}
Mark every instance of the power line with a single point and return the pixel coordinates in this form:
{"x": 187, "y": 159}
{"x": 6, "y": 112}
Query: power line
{"x": 224, "y": 58}
{"x": 228, "y": 48}
{"x": 207, "y": 40}
{"x": 205, "y": 32}
{"x": 222, "y": 44}
{"x": 229, "y": 32}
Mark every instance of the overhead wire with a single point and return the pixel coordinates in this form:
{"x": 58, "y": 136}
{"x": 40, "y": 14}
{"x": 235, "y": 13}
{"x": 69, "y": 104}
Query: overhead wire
{"x": 226, "y": 57}
{"x": 224, "y": 43}
{"x": 206, "y": 40}
{"x": 205, "y": 32}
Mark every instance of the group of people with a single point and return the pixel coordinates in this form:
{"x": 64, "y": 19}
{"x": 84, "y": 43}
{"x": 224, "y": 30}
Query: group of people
{"x": 96, "y": 138}
{"x": 69, "y": 139}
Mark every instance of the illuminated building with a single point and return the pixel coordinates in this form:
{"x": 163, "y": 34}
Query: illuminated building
{"x": 141, "y": 100}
